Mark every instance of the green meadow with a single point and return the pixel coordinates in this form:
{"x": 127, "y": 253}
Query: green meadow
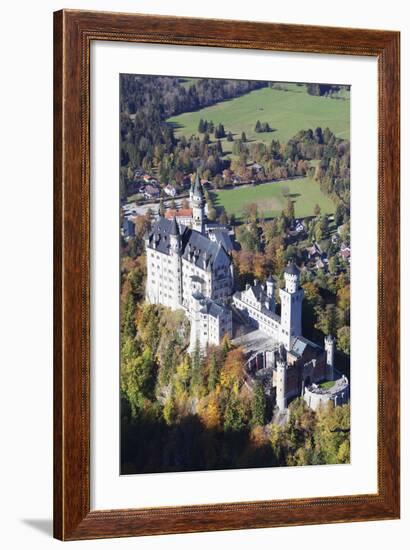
{"x": 271, "y": 198}
{"x": 286, "y": 111}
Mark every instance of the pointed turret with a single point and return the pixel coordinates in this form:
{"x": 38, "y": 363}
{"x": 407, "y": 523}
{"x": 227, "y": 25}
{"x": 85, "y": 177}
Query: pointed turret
{"x": 174, "y": 227}
{"x": 175, "y": 237}
{"x": 191, "y": 192}
{"x": 270, "y": 292}
{"x": 197, "y": 205}
{"x": 175, "y": 250}
{"x": 198, "y": 192}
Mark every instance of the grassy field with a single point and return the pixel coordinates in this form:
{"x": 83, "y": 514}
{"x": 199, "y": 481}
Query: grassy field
{"x": 327, "y": 385}
{"x": 305, "y": 192}
{"x": 287, "y": 112}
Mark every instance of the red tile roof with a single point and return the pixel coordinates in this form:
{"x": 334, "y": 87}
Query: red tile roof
{"x": 183, "y": 213}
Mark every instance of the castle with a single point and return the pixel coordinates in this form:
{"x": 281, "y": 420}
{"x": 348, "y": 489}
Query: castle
{"x": 278, "y": 355}
{"x": 189, "y": 267}
{"x": 258, "y": 303}
{"x": 189, "y": 270}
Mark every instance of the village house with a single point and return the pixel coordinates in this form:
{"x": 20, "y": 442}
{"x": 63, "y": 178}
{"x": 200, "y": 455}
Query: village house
{"x": 151, "y": 192}
{"x": 170, "y": 190}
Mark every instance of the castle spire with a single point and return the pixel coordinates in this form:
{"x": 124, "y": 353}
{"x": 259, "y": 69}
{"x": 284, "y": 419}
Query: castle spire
{"x": 174, "y": 227}
{"x": 175, "y": 251}
{"x": 270, "y": 292}
{"x": 197, "y": 205}
{"x": 198, "y": 191}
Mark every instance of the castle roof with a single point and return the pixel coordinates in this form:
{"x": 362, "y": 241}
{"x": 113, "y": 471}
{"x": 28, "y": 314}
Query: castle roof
{"x": 181, "y": 213}
{"x": 209, "y": 307}
{"x": 264, "y": 310}
{"x": 198, "y": 295}
{"x": 270, "y": 279}
{"x": 195, "y": 247}
{"x": 257, "y": 291}
{"x": 222, "y": 237}
{"x": 213, "y": 309}
{"x": 198, "y": 191}
{"x": 203, "y": 252}
{"x": 292, "y": 269}
{"x": 174, "y": 229}
{"x": 301, "y": 344}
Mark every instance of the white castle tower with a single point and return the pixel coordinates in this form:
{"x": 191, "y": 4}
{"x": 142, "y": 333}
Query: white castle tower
{"x": 195, "y": 318}
{"x": 197, "y": 199}
{"x": 281, "y": 400}
{"x": 270, "y": 293}
{"x": 175, "y": 253}
{"x": 330, "y": 356}
{"x": 291, "y": 310}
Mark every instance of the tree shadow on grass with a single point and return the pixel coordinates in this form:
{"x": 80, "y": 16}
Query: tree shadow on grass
{"x": 176, "y": 125}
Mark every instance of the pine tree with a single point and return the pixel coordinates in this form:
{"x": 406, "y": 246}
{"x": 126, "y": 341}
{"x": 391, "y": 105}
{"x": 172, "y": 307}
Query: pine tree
{"x": 234, "y": 415}
{"x": 167, "y": 366}
{"x": 183, "y": 375}
{"x": 258, "y": 126}
{"x": 327, "y": 319}
{"x": 290, "y": 210}
{"x": 223, "y": 218}
{"x": 258, "y": 405}
{"x": 213, "y": 373}
{"x": 129, "y": 317}
{"x": 169, "y": 410}
{"x": 219, "y": 131}
{"x": 196, "y": 369}
{"x": 339, "y": 214}
{"x": 226, "y": 346}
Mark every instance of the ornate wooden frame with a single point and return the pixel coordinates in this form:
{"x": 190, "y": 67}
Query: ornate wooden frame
{"x": 73, "y": 33}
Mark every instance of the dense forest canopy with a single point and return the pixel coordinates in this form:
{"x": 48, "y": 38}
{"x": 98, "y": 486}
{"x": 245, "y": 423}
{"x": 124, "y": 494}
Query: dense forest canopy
{"x": 168, "y": 96}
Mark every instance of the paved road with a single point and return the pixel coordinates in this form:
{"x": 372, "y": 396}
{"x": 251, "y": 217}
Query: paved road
{"x": 141, "y": 209}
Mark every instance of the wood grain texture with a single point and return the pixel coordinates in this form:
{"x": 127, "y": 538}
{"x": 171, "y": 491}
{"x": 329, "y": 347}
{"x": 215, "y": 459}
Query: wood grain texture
{"x": 73, "y": 33}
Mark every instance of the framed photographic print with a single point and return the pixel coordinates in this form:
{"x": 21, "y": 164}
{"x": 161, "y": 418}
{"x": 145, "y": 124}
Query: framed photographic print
{"x": 227, "y": 283}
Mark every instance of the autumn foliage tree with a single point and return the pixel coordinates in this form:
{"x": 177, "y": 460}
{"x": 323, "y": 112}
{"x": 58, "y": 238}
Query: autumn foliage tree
{"x": 232, "y": 373}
